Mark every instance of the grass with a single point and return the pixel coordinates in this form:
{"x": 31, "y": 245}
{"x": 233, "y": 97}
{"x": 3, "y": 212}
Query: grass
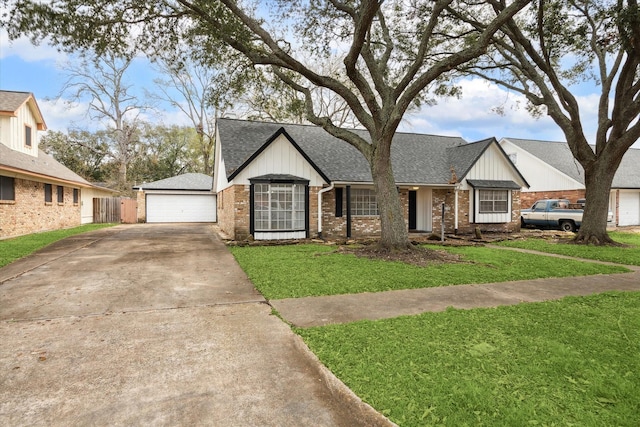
{"x": 572, "y": 362}
{"x": 18, "y": 247}
{"x": 629, "y": 255}
{"x": 310, "y": 270}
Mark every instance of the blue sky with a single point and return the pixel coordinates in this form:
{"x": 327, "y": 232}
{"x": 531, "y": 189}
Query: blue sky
{"x": 24, "y": 67}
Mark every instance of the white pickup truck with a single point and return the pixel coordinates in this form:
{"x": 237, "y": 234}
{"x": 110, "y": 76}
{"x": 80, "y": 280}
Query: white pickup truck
{"x": 552, "y": 213}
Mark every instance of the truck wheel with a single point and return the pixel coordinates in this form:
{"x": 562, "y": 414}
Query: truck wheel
{"x": 568, "y": 226}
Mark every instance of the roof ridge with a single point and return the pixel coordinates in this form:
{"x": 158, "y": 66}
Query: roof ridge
{"x": 311, "y": 125}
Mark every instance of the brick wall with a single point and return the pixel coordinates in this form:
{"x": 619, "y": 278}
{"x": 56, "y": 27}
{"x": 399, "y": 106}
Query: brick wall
{"x": 234, "y": 214}
{"x": 527, "y": 199}
{"x": 29, "y": 213}
{"x": 142, "y": 206}
{"x": 361, "y": 226}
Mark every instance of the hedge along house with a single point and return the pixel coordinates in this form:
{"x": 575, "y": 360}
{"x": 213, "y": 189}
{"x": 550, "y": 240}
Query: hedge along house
{"x": 284, "y": 181}
{"x": 36, "y": 192}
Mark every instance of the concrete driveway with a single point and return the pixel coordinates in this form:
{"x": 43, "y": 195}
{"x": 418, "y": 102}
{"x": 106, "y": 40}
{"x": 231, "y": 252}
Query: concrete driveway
{"x": 154, "y": 325}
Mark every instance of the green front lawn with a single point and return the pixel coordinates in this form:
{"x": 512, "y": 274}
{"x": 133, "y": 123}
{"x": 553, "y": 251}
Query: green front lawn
{"x": 311, "y": 269}
{"x": 573, "y": 362}
{"x": 18, "y": 247}
{"x": 629, "y": 255}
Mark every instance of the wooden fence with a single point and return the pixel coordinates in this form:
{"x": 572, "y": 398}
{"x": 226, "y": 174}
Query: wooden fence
{"x": 114, "y": 209}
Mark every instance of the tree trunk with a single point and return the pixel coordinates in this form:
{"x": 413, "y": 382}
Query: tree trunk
{"x": 394, "y": 232}
{"x": 593, "y": 230}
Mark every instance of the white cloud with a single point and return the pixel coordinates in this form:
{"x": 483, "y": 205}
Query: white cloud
{"x": 61, "y": 115}
{"x": 25, "y": 50}
{"x": 473, "y": 115}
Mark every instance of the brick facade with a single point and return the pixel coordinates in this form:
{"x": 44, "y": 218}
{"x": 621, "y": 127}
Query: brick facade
{"x": 233, "y": 214}
{"x": 141, "y": 198}
{"x": 527, "y": 199}
{"x": 30, "y": 214}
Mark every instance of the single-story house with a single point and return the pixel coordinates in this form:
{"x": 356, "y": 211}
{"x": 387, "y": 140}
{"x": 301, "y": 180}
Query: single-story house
{"x": 553, "y": 173}
{"x": 37, "y": 193}
{"x": 183, "y": 198}
{"x": 285, "y": 181}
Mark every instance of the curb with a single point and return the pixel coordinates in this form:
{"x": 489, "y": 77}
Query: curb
{"x": 341, "y": 393}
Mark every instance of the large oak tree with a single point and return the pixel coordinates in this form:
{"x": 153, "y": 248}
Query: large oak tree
{"x": 393, "y": 53}
{"x": 546, "y": 53}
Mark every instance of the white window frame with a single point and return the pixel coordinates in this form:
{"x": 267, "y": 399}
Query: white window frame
{"x": 364, "y": 202}
{"x": 279, "y": 207}
{"x": 491, "y": 201}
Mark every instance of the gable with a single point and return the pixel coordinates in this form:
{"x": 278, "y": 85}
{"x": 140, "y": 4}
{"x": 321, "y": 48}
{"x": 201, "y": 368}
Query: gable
{"x": 19, "y": 114}
{"x": 540, "y": 174}
{"x": 416, "y": 158}
{"x": 281, "y": 157}
{"x": 493, "y": 165}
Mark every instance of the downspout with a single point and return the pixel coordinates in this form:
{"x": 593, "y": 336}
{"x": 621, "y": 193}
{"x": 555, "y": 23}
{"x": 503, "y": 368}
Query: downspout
{"x": 324, "y": 190}
{"x": 455, "y": 206}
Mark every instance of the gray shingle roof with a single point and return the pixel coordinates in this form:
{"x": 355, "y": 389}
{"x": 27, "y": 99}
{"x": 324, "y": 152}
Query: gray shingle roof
{"x": 416, "y": 158}
{"x": 187, "y": 181}
{"x": 488, "y": 183}
{"x": 44, "y": 164}
{"x": 11, "y": 101}
{"x": 558, "y": 155}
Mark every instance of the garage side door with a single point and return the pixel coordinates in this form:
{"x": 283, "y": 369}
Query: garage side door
{"x": 181, "y": 208}
{"x": 629, "y": 208}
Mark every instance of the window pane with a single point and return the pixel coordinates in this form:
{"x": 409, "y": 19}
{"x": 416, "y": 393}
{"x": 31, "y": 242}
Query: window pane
{"x": 279, "y": 207}
{"x": 493, "y": 201}
{"x": 60, "y": 194}
{"x": 27, "y": 136}
{"x": 364, "y": 202}
{"x": 7, "y": 189}
{"x": 48, "y": 193}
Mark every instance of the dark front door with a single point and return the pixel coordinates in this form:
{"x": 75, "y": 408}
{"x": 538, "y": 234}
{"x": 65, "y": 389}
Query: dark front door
{"x": 413, "y": 210}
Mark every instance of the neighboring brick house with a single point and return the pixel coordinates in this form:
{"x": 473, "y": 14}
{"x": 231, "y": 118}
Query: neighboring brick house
{"x": 36, "y": 192}
{"x": 553, "y": 173}
{"x": 283, "y": 181}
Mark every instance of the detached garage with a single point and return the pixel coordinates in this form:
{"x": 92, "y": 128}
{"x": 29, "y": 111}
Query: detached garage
{"x": 182, "y": 198}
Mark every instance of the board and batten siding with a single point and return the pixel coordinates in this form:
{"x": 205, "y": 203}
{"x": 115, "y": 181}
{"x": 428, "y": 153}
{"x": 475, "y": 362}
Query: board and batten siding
{"x": 280, "y": 157}
{"x": 492, "y": 165}
{"x": 540, "y": 175}
{"x": 12, "y": 129}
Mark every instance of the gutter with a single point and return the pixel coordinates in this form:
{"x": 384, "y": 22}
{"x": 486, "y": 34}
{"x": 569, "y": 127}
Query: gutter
{"x": 324, "y": 190}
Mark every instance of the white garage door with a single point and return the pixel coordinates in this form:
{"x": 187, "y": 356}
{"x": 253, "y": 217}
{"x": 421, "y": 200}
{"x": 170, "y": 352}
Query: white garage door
{"x": 629, "y": 208}
{"x": 181, "y": 208}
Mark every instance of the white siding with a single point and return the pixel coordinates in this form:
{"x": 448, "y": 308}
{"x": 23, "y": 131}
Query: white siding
{"x": 282, "y": 235}
{"x": 280, "y": 158}
{"x": 540, "y": 175}
{"x": 424, "y": 210}
{"x": 629, "y": 208}
{"x": 12, "y": 131}
{"x": 492, "y": 165}
{"x": 489, "y": 218}
{"x": 86, "y": 202}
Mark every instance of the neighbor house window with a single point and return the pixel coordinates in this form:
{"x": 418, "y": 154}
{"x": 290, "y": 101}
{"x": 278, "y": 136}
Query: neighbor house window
{"x": 494, "y": 201}
{"x": 76, "y": 196}
{"x": 279, "y": 207}
{"x": 7, "y": 188}
{"x": 364, "y": 202}
{"x": 48, "y": 193}
{"x": 60, "y": 194}
{"x": 27, "y": 136}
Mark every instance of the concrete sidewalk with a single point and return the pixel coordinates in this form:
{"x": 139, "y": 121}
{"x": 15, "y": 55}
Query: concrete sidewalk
{"x": 324, "y": 310}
